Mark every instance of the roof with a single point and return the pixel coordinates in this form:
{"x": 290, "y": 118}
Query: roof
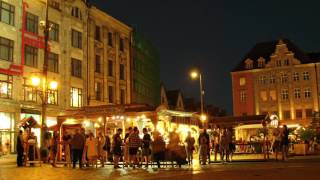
{"x": 231, "y": 121}
{"x": 172, "y": 97}
{"x": 266, "y": 49}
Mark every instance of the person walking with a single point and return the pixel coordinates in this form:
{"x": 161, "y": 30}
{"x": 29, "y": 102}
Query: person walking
{"x": 20, "y": 149}
{"x": 116, "y": 148}
{"x": 134, "y": 144}
{"x": 54, "y": 148}
{"x": 190, "y": 148}
{"x": 158, "y": 148}
{"x": 146, "y": 151}
{"x": 285, "y": 142}
{"x": 77, "y": 145}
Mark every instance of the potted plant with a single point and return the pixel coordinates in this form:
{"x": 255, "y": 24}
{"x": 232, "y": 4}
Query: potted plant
{"x": 305, "y": 135}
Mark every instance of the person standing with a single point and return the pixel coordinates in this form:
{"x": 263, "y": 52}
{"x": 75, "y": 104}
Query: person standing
{"x": 276, "y": 140}
{"x": 66, "y": 143}
{"x": 203, "y": 148}
{"x": 224, "y": 145}
{"x": 134, "y": 144}
{"x": 231, "y": 145}
{"x": 146, "y": 151}
{"x": 285, "y": 142}
{"x": 77, "y": 145}
{"x": 158, "y": 148}
{"x": 206, "y": 135}
{"x": 126, "y": 146}
{"x": 54, "y": 148}
{"x": 102, "y": 154}
{"x": 20, "y": 149}
{"x": 173, "y": 147}
{"x": 116, "y": 148}
{"x": 91, "y": 149}
{"x": 190, "y": 147}
{"x": 32, "y": 145}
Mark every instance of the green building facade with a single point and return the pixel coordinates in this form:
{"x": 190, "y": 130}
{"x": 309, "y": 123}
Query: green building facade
{"x": 146, "y": 71}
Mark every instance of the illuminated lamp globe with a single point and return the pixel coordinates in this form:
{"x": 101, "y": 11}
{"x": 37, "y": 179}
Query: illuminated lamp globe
{"x": 35, "y": 81}
{"x": 53, "y": 85}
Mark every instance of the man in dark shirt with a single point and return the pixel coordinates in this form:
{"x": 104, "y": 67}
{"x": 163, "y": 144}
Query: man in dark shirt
{"x": 20, "y": 149}
{"x": 77, "y": 145}
{"x": 146, "y": 141}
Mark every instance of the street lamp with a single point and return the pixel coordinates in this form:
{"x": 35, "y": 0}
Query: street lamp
{"x": 196, "y": 74}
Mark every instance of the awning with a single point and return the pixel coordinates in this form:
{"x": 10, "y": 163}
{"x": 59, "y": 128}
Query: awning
{"x": 250, "y": 126}
{"x": 28, "y": 122}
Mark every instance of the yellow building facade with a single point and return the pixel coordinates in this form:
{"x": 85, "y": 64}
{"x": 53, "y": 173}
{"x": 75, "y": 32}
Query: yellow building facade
{"x": 71, "y": 61}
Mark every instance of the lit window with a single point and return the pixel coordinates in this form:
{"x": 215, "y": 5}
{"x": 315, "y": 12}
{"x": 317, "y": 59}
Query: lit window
{"x": 307, "y": 93}
{"x": 6, "y": 82}
{"x": 306, "y": 75}
{"x": 243, "y": 96}
{"x": 295, "y": 76}
{"x": 53, "y": 97}
{"x": 242, "y": 81}
{"x": 263, "y": 95}
{"x": 284, "y": 94}
{"x": 29, "y": 91}
{"x": 76, "y": 97}
{"x": 6, "y": 13}
{"x": 297, "y": 93}
{"x": 273, "y": 95}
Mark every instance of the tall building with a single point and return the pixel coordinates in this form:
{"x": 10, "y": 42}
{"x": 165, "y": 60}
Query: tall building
{"x": 89, "y": 58}
{"x": 277, "y": 78}
{"x": 146, "y": 71}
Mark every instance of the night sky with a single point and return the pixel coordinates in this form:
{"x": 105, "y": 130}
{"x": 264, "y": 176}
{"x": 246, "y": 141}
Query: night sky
{"x": 215, "y": 35}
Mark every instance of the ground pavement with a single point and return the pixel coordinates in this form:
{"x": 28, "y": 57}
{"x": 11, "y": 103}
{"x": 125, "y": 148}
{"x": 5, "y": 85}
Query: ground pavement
{"x": 302, "y": 168}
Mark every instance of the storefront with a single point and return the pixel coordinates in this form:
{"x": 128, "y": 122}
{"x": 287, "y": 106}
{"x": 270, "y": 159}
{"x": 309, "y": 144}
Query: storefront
{"x": 7, "y": 133}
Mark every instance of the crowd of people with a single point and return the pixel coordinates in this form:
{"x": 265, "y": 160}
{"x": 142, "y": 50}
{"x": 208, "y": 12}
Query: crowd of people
{"x": 134, "y": 150}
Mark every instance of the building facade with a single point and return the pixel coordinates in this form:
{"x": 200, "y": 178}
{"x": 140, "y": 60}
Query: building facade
{"x": 277, "y": 78}
{"x": 146, "y": 71}
{"x": 73, "y": 50}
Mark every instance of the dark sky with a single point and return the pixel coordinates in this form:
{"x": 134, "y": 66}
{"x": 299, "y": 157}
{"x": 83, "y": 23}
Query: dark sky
{"x": 215, "y": 35}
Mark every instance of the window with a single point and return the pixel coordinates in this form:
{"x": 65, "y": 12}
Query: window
{"x": 263, "y": 79}
{"x": 298, "y": 114}
{"x": 283, "y": 78}
{"x": 54, "y": 4}
{"x": 32, "y": 23}
{"x": 29, "y": 91}
{"x": 278, "y": 63}
{"x": 261, "y": 62}
{"x": 295, "y": 76}
{"x": 75, "y": 12}
{"x": 110, "y": 39}
{"x": 122, "y": 96}
{"x": 297, "y": 93}
{"x": 110, "y": 93}
{"x": 242, "y": 81}
{"x": 307, "y": 93}
{"x": 284, "y": 94}
{"x": 6, "y": 49}
{"x": 286, "y": 62}
{"x": 243, "y": 96}
{"x": 121, "y": 46}
{"x": 110, "y": 68}
{"x": 272, "y": 79}
{"x": 76, "y": 68}
{"x": 98, "y": 33}
{"x": 6, "y": 82}
{"x": 286, "y": 115}
{"x": 6, "y": 13}
{"x": 31, "y": 56}
{"x": 122, "y": 72}
{"x": 76, "y": 39}
{"x": 306, "y": 75}
{"x": 76, "y": 97}
{"x": 54, "y": 32}
{"x": 263, "y": 95}
{"x": 98, "y": 90}
{"x": 249, "y": 64}
{"x": 273, "y": 95}
{"x": 309, "y": 113}
{"x": 53, "y": 62}
{"x": 98, "y": 64}
{"x": 52, "y": 97}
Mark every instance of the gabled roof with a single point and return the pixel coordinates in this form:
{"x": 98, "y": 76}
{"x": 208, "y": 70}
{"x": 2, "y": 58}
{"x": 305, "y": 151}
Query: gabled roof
{"x": 266, "y": 49}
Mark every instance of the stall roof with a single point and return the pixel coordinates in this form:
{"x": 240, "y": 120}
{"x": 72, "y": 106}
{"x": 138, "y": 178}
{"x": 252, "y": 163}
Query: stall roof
{"x": 232, "y": 121}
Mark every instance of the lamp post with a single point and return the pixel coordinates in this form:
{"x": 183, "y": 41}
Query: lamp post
{"x": 195, "y": 74}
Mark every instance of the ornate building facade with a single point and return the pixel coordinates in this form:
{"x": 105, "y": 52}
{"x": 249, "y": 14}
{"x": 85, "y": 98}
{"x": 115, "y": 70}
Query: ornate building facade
{"x": 74, "y": 47}
{"x": 277, "y": 78}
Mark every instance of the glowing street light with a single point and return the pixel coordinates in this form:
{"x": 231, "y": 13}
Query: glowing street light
{"x": 35, "y": 81}
{"x": 195, "y": 74}
{"x": 53, "y": 85}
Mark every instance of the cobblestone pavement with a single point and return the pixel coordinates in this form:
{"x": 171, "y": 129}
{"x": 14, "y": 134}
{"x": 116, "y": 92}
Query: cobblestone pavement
{"x": 298, "y": 168}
